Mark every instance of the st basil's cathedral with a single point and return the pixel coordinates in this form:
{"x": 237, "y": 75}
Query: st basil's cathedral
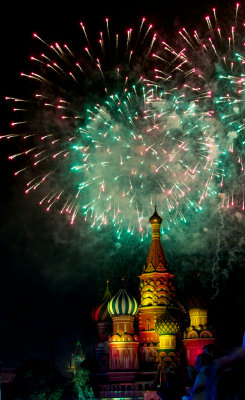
{"x": 138, "y": 345}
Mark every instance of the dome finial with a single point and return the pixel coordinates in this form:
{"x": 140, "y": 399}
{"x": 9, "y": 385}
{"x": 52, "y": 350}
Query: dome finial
{"x": 155, "y": 218}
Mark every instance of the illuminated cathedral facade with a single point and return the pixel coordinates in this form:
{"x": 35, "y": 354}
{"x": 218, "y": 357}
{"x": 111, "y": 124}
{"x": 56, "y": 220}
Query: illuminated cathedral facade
{"x": 137, "y": 344}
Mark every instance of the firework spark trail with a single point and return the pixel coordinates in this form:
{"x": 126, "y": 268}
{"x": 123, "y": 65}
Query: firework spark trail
{"x": 215, "y": 269}
{"x": 108, "y": 134}
{"x": 144, "y": 168}
{"x": 214, "y": 59}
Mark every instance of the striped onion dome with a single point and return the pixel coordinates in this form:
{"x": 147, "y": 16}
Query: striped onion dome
{"x": 167, "y": 324}
{"x": 122, "y": 304}
{"x": 100, "y": 312}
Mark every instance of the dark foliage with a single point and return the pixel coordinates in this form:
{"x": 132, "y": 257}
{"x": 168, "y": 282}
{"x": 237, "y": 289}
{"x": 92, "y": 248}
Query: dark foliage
{"x": 39, "y": 379}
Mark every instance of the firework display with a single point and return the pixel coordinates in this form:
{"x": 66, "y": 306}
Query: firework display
{"x": 130, "y": 120}
{"x": 214, "y": 54}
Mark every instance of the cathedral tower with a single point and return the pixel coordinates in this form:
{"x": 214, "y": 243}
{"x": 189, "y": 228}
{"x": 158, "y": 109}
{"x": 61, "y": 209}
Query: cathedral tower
{"x": 123, "y": 344}
{"x": 199, "y": 333}
{"x": 157, "y": 293}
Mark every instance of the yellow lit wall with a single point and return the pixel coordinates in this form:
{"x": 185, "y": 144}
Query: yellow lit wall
{"x": 198, "y": 316}
{"x": 167, "y": 342}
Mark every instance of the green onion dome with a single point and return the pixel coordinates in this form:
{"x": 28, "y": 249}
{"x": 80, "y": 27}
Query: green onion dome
{"x": 167, "y": 324}
{"x": 122, "y": 304}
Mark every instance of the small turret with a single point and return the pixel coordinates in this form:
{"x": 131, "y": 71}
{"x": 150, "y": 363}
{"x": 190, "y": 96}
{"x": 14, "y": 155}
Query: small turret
{"x": 199, "y": 333}
{"x": 123, "y": 343}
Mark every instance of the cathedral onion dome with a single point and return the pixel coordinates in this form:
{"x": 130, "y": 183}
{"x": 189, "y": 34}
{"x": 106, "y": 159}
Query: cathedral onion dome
{"x": 196, "y": 299}
{"x": 122, "y": 304}
{"x": 155, "y": 218}
{"x": 115, "y": 338}
{"x": 100, "y": 312}
{"x": 167, "y": 324}
{"x": 126, "y": 338}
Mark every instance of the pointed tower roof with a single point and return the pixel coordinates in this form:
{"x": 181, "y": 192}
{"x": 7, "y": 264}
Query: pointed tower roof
{"x": 156, "y": 260}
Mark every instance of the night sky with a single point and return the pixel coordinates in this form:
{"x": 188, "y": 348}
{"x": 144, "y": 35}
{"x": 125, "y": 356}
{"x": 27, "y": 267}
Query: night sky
{"x": 51, "y": 275}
